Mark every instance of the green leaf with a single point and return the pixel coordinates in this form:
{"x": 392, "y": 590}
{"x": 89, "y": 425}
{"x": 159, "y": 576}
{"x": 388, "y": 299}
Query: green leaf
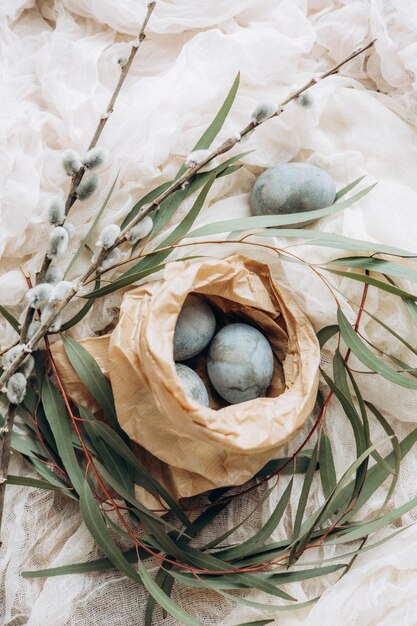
{"x": 305, "y": 490}
{"x": 98, "y": 565}
{"x": 326, "y": 465}
{"x": 396, "y": 449}
{"x": 82, "y": 312}
{"x": 124, "y": 281}
{"x": 370, "y": 360}
{"x": 179, "y": 232}
{"x": 165, "y": 601}
{"x": 84, "y": 242}
{"x": 286, "y": 466}
{"x": 215, "y": 127}
{"x": 161, "y": 579}
{"x": 332, "y": 240}
{"x": 149, "y": 197}
{"x": 391, "y": 331}
{"x": 375, "y": 477}
{"x": 259, "y": 538}
{"x": 363, "y": 278}
{"x": 370, "y": 527}
{"x": 142, "y": 477}
{"x": 348, "y": 188}
{"x": 412, "y": 310}
{"x": 326, "y": 333}
{"x": 265, "y": 221}
{"x": 56, "y": 414}
{"x": 168, "y": 207}
{"x": 117, "y": 468}
{"x": 10, "y": 319}
{"x": 90, "y": 374}
{"x": 93, "y": 519}
{"x": 377, "y": 265}
{"x": 25, "y": 481}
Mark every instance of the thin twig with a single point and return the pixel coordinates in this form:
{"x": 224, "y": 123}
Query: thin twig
{"x": 5, "y": 447}
{"x": 188, "y": 174}
{"x": 75, "y": 181}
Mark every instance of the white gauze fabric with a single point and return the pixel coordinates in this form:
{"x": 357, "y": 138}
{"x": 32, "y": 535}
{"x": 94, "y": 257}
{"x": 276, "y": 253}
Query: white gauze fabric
{"x": 58, "y": 66}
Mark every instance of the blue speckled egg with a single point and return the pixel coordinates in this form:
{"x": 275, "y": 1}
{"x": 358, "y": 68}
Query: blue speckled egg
{"x": 195, "y": 328}
{"x": 193, "y": 385}
{"x": 240, "y": 363}
{"x": 292, "y": 188}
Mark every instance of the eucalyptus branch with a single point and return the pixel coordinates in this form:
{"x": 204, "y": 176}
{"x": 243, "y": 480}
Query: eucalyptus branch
{"x": 147, "y": 209}
{"x": 77, "y": 178}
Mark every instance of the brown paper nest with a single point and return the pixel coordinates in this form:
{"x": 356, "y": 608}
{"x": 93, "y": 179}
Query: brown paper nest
{"x": 190, "y": 448}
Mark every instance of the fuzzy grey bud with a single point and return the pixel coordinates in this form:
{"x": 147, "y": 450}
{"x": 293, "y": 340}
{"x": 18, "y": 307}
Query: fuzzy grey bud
{"x": 53, "y": 275}
{"x": 11, "y": 355}
{"x": 56, "y": 212}
{"x": 95, "y": 157}
{"x": 108, "y": 236}
{"x": 264, "y": 110}
{"x": 39, "y": 295}
{"x": 304, "y": 100}
{"x": 16, "y": 388}
{"x": 70, "y": 228}
{"x": 46, "y": 314}
{"x": 87, "y": 187}
{"x": 33, "y": 328}
{"x": 58, "y": 242}
{"x": 112, "y": 258}
{"x": 60, "y": 291}
{"x": 27, "y": 367}
{"x": 196, "y": 157}
{"x": 71, "y": 162}
{"x": 140, "y": 231}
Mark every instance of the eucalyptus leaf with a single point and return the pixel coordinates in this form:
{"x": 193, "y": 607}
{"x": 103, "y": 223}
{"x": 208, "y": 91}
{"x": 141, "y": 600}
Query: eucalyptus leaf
{"x": 90, "y": 374}
{"x": 164, "y": 600}
{"x": 56, "y": 415}
{"x": 93, "y": 519}
{"x": 363, "y": 278}
{"x": 265, "y": 221}
{"x": 326, "y": 464}
{"x": 143, "y": 478}
{"x": 10, "y": 319}
{"x": 366, "y": 356}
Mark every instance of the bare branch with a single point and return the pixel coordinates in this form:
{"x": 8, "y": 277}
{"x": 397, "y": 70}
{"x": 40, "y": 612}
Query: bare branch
{"x": 75, "y": 181}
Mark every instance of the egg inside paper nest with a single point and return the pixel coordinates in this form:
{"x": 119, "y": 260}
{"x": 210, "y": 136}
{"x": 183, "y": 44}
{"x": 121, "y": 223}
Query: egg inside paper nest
{"x": 239, "y": 360}
{"x": 188, "y": 447}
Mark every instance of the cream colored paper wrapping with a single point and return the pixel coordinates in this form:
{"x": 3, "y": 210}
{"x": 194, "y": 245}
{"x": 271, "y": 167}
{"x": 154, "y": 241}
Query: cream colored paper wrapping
{"x": 193, "y": 448}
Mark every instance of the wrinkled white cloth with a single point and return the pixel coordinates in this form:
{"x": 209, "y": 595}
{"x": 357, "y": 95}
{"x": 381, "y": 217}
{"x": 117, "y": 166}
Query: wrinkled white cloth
{"x": 58, "y": 67}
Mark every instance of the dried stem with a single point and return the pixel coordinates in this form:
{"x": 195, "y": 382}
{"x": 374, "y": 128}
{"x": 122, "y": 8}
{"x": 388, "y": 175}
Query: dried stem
{"x": 5, "y": 446}
{"x": 188, "y": 174}
{"x": 75, "y": 181}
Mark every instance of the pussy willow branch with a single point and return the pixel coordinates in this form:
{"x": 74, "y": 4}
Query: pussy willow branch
{"x": 75, "y": 181}
{"x": 147, "y": 209}
{"x": 6, "y": 435}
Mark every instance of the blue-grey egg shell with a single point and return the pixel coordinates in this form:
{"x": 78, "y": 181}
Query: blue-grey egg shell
{"x": 240, "y": 363}
{"x": 292, "y": 188}
{"x": 193, "y": 385}
{"x": 195, "y": 328}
